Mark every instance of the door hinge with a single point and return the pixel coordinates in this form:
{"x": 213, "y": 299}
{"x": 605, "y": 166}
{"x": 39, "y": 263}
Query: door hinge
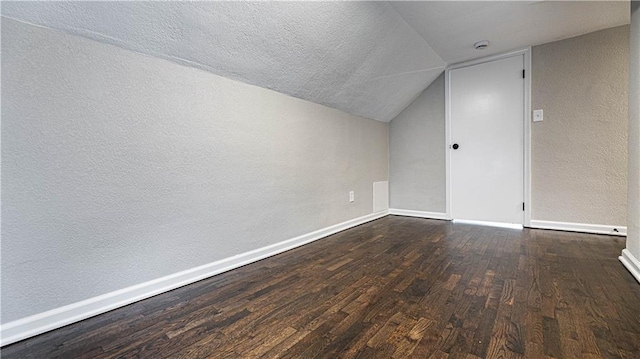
{"x": 523, "y": 206}
{"x": 523, "y": 73}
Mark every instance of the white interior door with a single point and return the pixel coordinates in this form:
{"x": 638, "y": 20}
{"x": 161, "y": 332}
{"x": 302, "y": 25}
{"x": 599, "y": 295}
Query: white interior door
{"x": 487, "y": 141}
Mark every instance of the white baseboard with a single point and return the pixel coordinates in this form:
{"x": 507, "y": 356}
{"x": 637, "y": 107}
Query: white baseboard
{"x": 580, "y": 227}
{"x": 59, "y": 317}
{"x": 632, "y": 263}
{"x": 421, "y": 214}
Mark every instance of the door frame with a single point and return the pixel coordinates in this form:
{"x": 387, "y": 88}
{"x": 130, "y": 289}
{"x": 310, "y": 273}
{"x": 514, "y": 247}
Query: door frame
{"x": 526, "y": 53}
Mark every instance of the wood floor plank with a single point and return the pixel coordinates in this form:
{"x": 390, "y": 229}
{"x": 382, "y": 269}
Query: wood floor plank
{"x": 397, "y": 287}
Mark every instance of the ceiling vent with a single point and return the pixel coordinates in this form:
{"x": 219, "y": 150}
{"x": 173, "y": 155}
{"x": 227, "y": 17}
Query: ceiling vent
{"x": 481, "y": 45}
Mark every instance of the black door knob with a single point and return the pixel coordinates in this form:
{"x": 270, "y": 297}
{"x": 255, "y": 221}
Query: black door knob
{"x": 455, "y": 146}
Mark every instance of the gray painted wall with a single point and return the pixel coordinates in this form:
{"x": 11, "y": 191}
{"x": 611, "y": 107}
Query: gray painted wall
{"x": 633, "y": 215}
{"x": 579, "y": 151}
{"x": 416, "y": 153}
{"x": 119, "y": 168}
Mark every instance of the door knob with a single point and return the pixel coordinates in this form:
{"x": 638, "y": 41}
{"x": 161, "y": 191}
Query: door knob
{"x": 455, "y": 146}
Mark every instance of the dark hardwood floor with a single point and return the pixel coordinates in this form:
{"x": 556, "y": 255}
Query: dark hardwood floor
{"x": 396, "y": 287}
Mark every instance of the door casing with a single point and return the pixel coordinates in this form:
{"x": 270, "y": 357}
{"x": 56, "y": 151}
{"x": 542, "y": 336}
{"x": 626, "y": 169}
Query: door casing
{"x": 526, "y": 53}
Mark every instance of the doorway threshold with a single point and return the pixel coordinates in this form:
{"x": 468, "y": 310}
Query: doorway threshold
{"x": 491, "y": 224}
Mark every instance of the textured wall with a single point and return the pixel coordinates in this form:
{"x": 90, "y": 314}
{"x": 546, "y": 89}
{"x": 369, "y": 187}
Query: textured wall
{"x": 579, "y": 152}
{"x": 633, "y": 216}
{"x": 416, "y": 153}
{"x": 118, "y": 168}
{"x": 361, "y": 57}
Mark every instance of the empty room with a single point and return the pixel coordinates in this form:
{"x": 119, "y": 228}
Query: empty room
{"x": 369, "y": 179}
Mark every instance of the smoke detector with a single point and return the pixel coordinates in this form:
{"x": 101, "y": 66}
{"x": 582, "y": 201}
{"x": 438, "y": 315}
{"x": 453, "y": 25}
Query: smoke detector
{"x": 481, "y": 45}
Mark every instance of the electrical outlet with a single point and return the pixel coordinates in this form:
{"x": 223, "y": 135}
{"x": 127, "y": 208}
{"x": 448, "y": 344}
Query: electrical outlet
{"x": 352, "y": 196}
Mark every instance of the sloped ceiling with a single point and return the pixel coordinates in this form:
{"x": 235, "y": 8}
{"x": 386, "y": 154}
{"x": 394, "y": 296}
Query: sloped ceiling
{"x": 360, "y": 57}
{"x": 367, "y": 58}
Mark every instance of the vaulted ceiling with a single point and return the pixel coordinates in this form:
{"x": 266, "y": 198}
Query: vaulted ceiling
{"x": 367, "y": 58}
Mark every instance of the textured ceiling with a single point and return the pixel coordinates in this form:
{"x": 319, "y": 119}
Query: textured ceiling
{"x": 360, "y": 57}
{"x": 367, "y": 58}
{"x": 452, "y": 28}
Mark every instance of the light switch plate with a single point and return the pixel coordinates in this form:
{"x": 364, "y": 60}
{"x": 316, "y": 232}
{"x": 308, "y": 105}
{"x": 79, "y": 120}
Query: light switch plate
{"x": 538, "y": 115}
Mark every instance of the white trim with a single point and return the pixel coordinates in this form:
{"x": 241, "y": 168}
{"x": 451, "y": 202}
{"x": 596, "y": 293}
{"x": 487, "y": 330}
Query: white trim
{"x": 490, "y": 224}
{"x": 526, "y": 53}
{"x": 527, "y": 137}
{"x": 421, "y": 214}
{"x": 447, "y": 143}
{"x": 59, "y": 317}
{"x": 631, "y": 263}
{"x": 580, "y": 227}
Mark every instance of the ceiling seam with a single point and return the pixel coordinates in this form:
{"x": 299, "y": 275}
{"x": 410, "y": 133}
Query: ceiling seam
{"x": 416, "y": 31}
{"x": 397, "y": 74}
